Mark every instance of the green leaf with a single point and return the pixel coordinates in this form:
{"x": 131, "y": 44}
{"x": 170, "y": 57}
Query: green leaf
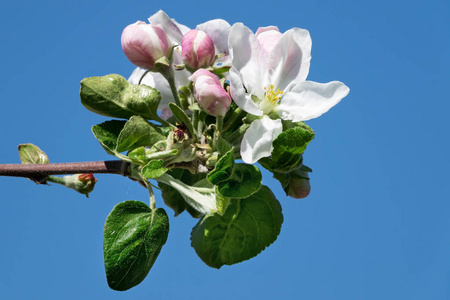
{"x": 107, "y": 134}
{"x": 137, "y": 132}
{"x": 132, "y": 239}
{"x": 248, "y": 226}
{"x": 113, "y": 96}
{"x": 154, "y": 169}
{"x": 235, "y": 180}
{"x": 181, "y": 116}
{"x": 287, "y": 149}
{"x": 32, "y": 154}
{"x": 118, "y": 136}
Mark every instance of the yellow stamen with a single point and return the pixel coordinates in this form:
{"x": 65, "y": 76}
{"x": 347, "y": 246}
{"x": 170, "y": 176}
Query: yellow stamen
{"x": 271, "y": 99}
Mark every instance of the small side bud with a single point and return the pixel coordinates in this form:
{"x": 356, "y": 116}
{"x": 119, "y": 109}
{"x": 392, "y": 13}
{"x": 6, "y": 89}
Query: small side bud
{"x": 82, "y": 183}
{"x": 209, "y": 93}
{"x": 299, "y": 186}
{"x": 144, "y": 44}
{"x": 197, "y": 49}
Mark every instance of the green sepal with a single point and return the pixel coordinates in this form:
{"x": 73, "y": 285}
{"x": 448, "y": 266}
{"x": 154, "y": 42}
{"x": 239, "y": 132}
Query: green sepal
{"x": 153, "y": 169}
{"x": 132, "y": 240}
{"x": 32, "y": 154}
{"x": 248, "y": 226}
{"x": 113, "y": 96}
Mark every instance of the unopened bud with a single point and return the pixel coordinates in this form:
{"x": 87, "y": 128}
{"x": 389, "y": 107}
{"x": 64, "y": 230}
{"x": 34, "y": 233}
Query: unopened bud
{"x": 82, "y": 183}
{"x": 197, "y": 49}
{"x": 299, "y": 186}
{"x": 209, "y": 93}
{"x": 144, "y": 44}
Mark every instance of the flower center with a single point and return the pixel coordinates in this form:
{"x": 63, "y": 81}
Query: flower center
{"x": 271, "y": 99}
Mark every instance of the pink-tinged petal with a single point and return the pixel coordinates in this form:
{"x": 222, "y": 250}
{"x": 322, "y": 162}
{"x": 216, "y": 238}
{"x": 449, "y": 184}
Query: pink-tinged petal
{"x": 170, "y": 26}
{"x": 268, "y": 37}
{"x": 309, "y": 100}
{"x": 209, "y": 93}
{"x": 257, "y": 140}
{"x": 204, "y": 72}
{"x": 218, "y": 30}
{"x": 143, "y": 44}
{"x": 290, "y": 58}
{"x": 240, "y": 96}
{"x": 197, "y": 49}
{"x": 249, "y": 59}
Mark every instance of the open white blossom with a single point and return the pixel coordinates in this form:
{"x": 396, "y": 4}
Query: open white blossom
{"x": 267, "y": 79}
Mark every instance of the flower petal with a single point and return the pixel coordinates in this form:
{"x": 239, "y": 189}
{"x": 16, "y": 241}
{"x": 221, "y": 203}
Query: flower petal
{"x": 290, "y": 58}
{"x": 268, "y": 37}
{"x": 218, "y": 31}
{"x": 257, "y": 140}
{"x": 248, "y": 58}
{"x": 174, "y": 30}
{"x": 309, "y": 100}
{"x": 240, "y": 96}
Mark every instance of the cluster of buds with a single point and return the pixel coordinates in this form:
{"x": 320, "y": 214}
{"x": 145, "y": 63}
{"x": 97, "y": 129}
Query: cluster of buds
{"x": 179, "y": 48}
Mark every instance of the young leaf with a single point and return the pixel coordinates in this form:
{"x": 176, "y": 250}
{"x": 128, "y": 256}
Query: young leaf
{"x": 287, "y": 149}
{"x": 154, "y": 169}
{"x": 132, "y": 239}
{"x": 235, "y": 180}
{"x": 223, "y": 169}
{"x": 32, "y": 154}
{"x": 137, "y": 132}
{"x": 248, "y": 226}
{"x": 107, "y": 134}
{"x": 113, "y": 96}
{"x": 245, "y": 181}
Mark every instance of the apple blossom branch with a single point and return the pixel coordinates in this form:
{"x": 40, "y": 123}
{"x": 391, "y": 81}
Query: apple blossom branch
{"x": 36, "y": 170}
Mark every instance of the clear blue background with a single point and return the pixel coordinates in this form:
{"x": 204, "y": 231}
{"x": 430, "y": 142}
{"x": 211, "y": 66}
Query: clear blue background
{"x": 376, "y": 225}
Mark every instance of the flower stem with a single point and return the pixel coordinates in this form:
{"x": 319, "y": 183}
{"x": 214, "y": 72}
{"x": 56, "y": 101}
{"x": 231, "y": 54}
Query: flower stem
{"x": 170, "y": 77}
{"x": 238, "y": 133}
{"x": 234, "y": 117}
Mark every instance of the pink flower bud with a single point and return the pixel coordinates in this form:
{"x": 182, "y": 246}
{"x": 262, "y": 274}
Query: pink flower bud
{"x": 299, "y": 186}
{"x": 210, "y": 94}
{"x": 268, "y": 37}
{"x": 143, "y": 44}
{"x": 197, "y": 49}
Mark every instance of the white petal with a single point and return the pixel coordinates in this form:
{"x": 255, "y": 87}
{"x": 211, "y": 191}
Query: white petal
{"x": 257, "y": 140}
{"x": 309, "y": 100}
{"x": 240, "y": 97}
{"x": 170, "y": 26}
{"x": 290, "y": 58}
{"x": 218, "y": 31}
{"x": 248, "y": 58}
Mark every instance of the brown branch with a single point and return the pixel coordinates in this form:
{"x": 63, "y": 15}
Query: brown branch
{"x": 38, "y": 170}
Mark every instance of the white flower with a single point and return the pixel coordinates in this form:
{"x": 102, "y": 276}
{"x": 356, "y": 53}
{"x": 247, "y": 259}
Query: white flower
{"x": 267, "y": 79}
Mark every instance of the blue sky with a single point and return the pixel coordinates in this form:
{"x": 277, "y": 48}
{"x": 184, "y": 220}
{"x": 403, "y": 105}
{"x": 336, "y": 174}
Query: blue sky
{"x": 376, "y": 225}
